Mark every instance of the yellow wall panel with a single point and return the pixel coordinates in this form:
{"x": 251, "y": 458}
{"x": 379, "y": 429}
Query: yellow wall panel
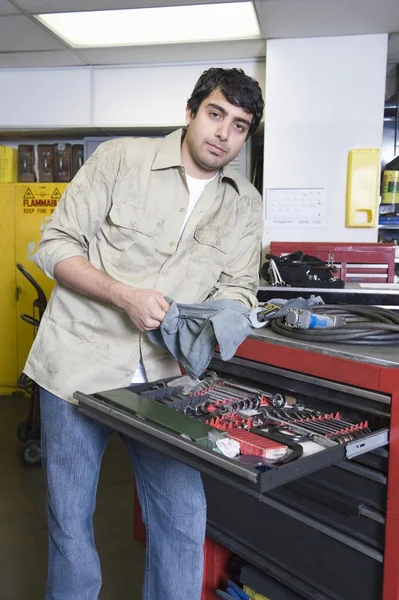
{"x": 33, "y": 205}
{"x": 8, "y": 309}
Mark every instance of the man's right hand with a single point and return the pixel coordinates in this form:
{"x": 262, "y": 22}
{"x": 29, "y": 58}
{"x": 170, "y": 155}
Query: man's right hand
{"x": 146, "y": 308}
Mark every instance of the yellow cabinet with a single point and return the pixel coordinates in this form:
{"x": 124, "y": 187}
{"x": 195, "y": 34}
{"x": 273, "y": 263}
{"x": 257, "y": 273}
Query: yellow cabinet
{"x": 8, "y": 307}
{"x": 26, "y": 210}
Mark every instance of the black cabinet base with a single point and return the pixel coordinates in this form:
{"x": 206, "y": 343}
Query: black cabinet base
{"x": 308, "y": 561}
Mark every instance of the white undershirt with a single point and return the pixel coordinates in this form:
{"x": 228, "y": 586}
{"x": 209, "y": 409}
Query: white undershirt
{"x": 195, "y": 187}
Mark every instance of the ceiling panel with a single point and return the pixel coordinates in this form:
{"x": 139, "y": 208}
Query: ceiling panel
{"x": 307, "y": 18}
{"x": 19, "y": 33}
{"x": 52, "y": 6}
{"x": 55, "y": 58}
{"x": 7, "y": 9}
{"x": 22, "y": 40}
{"x": 175, "y": 52}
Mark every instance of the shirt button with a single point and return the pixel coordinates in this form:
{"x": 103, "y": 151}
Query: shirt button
{"x": 127, "y": 374}
{"x": 164, "y": 273}
{"x": 134, "y": 224}
{"x": 171, "y": 243}
{"x": 182, "y": 209}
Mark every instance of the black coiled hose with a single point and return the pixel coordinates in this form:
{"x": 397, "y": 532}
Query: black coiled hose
{"x": 363, "y": 325}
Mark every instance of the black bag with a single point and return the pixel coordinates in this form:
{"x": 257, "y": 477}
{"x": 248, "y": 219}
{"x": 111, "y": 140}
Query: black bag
{"x": 301, "y": 270}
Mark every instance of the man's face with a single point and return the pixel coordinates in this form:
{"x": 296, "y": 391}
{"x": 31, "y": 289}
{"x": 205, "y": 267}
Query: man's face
{"x": 214, "y": 136}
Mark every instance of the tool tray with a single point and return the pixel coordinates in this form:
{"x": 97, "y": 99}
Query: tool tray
{"x": 183, "y": 437}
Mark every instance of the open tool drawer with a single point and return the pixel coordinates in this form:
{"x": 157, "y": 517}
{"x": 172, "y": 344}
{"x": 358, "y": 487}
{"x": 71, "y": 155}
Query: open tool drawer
{"x": 184, "y": 437}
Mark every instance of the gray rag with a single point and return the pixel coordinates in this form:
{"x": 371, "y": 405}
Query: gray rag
{"x": 191, "y": 331}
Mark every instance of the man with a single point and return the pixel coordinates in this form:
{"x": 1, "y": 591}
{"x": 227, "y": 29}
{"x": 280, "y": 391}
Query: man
{"x": 142, "y": 219}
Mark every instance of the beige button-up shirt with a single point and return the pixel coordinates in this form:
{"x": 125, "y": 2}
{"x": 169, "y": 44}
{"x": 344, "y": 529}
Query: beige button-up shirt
{"x": 123, "y": 212}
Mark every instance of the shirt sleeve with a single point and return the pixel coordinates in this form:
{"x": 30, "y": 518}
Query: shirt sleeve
{"x": 80, "y": 212}
{"x": 240, "y": 277}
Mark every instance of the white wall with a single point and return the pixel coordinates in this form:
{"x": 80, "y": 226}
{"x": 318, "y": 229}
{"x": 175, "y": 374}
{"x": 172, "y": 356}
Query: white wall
{"x": 39, "y": 98}
{"x": 134, "y": 96}
{"x": 152, "y": 95}
{"x": 324, "y": 97}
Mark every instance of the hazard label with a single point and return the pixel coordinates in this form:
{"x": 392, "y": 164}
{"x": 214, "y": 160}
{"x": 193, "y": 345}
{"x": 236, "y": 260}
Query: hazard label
{"x": 28, "y": 195}
{"x": 56, "y": 194}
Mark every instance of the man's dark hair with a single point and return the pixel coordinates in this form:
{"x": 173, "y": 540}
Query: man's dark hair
{"x": 238, "y": 88}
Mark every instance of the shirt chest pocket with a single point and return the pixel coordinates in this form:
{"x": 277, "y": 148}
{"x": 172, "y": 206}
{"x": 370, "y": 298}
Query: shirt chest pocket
{"x": 131, "y": 237}
{"x": 209, "y": 254}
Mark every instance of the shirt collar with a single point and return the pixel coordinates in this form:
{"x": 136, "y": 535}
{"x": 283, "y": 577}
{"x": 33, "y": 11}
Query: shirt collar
{"x": 229, "y": 174}
{"x": 169, "y": 155}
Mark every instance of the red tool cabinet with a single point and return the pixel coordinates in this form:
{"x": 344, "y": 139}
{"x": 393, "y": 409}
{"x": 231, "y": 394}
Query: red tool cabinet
{"x": 369, "y": 263}
{"x": 325, "y": 526}
{"x": 333, "y": 364}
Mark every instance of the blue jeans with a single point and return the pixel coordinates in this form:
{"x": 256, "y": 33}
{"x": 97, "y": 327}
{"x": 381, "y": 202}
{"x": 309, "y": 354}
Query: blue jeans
{"x": 171, "y": 497}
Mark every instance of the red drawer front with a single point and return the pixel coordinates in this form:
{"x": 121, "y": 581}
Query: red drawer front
{"x": 372, "y": 263}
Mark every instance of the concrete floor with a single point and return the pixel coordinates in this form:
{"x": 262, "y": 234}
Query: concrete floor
{"x": 23, "y": 532}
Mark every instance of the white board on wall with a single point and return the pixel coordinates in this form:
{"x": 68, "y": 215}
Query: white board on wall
{"x": 324, "y": 97}
{"x": 152, "y": 95}
{"x": 45, "y": 98}
{"x": 130, "y": 96}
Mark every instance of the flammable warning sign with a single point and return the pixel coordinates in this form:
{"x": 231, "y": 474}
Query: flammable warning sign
{"x": 39, "y": 198}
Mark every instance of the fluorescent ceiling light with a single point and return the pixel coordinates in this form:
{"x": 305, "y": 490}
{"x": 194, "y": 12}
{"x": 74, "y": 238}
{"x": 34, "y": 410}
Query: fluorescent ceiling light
{"x": 165, "y": 25}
